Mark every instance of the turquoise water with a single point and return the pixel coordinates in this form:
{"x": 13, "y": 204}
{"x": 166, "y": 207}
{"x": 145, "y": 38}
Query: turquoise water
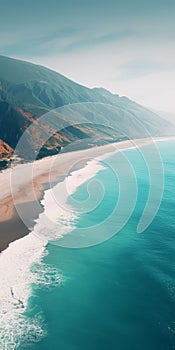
{"x": 119, "y": 294}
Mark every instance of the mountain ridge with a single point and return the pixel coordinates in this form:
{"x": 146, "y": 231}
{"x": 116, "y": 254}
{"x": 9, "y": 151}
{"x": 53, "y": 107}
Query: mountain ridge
{"x": 27, "y": 91}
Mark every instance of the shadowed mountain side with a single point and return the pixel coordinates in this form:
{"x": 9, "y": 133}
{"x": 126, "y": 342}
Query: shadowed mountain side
{"x": 28, "y": 91}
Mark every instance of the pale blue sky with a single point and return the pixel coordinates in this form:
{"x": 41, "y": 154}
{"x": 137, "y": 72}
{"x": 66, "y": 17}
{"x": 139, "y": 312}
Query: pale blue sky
{"x": 126, "y": 46}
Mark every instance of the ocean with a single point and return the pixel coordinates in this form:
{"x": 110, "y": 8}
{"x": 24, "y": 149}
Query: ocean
{"x": 103, "y": 283}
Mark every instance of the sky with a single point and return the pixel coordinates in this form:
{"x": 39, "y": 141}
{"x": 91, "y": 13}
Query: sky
{"x": 127, "y": 47}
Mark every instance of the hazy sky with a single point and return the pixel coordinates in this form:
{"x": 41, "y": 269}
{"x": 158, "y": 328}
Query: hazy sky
{"x": 127, "y": 47}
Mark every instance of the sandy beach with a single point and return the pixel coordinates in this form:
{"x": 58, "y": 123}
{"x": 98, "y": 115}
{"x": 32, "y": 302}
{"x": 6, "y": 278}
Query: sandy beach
{"x": 23, "y": 185}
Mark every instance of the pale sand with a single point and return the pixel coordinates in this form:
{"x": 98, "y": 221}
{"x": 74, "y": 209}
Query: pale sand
{"x": 25, "y": 183}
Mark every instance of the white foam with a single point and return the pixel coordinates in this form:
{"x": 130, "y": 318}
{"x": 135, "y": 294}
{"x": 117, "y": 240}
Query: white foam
{"x": 78, "y": 177}
{"x": 21, "y": 266}
{"x": 16, "y": 278}
{"x": 58, "y": 217}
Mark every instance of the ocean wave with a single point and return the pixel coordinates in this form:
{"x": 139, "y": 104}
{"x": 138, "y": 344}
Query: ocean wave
{"x": 59, "y": 218}
{"x": 17, "y": 277}
{"x": 21, "y": 265}
{"x": 46, "y": 276}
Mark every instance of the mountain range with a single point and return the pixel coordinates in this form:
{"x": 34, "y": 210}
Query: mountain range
{"x": 29, "y": 91}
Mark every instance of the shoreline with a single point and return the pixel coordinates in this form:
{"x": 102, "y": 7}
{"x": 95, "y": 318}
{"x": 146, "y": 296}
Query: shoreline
{"x": 37, "y": 177}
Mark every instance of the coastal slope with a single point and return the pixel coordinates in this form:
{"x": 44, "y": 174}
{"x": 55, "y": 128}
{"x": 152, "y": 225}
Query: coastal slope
{"x": 28, "y": 91}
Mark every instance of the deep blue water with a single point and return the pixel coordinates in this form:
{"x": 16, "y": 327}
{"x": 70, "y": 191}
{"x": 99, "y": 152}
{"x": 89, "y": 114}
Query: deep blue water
{"x": 119, "y": 294}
